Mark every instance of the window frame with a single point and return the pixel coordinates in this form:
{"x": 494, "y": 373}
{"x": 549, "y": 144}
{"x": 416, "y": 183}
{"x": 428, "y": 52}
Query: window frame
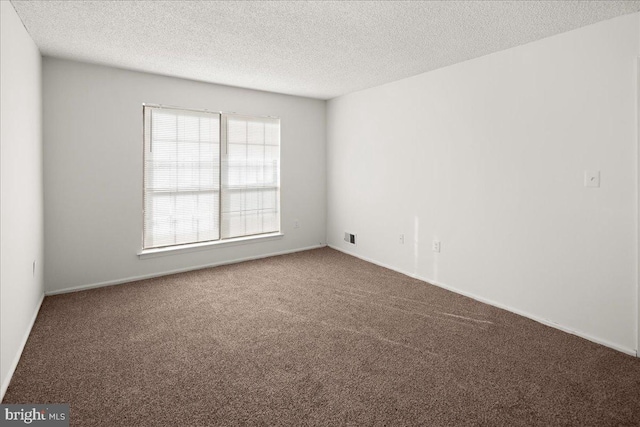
{"x": 153, "y": 251}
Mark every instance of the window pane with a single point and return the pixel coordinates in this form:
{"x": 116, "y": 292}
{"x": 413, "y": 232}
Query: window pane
{"x": 251, "y": 177}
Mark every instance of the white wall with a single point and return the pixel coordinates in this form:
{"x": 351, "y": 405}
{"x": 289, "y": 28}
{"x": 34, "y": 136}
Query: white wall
{"x": 21, "y": 287}
{"x": 93, "y": 170}
{"x": 488, "y": 157}
{"x": 638, "y": 187}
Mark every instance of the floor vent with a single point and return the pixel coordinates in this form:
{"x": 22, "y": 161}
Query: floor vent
{"x": 350, "y": 238}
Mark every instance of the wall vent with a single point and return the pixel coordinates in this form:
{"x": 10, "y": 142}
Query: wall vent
{"x": 350, "y": 238}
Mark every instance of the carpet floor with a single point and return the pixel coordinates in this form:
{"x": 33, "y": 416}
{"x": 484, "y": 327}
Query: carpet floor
{"x": 312, "y": 338}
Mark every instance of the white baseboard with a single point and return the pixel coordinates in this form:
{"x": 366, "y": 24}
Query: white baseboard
{"x": 16, "y": 359}
{"x": 180, "y": 270}
{"x": 496, "y": 304}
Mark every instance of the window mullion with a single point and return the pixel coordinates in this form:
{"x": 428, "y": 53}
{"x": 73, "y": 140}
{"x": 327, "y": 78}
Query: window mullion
{"x": 222, "y": 160}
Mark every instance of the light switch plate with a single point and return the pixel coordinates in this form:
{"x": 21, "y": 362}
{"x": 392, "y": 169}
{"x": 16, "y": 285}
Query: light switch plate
{"x": 592, "y": 178}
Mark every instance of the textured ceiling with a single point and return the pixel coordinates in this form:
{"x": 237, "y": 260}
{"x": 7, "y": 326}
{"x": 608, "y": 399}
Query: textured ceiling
{"x": 318, "y": 49}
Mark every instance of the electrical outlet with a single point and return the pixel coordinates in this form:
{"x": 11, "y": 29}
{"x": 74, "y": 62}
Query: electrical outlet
{"x": 436, "y": 246}
{"x": 296, "y": 224}
{"x": 401, "y": 239}
{"x": 592, "y": 179}
{"x": 34, "y": 268}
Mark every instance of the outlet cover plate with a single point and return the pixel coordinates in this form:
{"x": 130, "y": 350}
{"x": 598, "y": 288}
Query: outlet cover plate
{"x": 592, "y": 179}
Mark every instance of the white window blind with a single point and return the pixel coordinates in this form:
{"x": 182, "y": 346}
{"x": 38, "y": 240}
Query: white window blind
{"x": 182, "y": 177}
{"x": 209, "y": 176}
{"x": 250, "y": 176}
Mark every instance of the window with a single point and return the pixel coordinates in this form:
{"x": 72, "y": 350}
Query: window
{"x": 209, "y": 176}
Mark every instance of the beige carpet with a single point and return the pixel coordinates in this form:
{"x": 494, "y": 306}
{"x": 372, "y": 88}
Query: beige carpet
{"x": 313, "y": 338}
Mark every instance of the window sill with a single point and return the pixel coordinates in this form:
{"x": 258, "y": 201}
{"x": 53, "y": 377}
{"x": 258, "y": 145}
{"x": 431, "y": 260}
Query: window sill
{"x": 193, "y": 247}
